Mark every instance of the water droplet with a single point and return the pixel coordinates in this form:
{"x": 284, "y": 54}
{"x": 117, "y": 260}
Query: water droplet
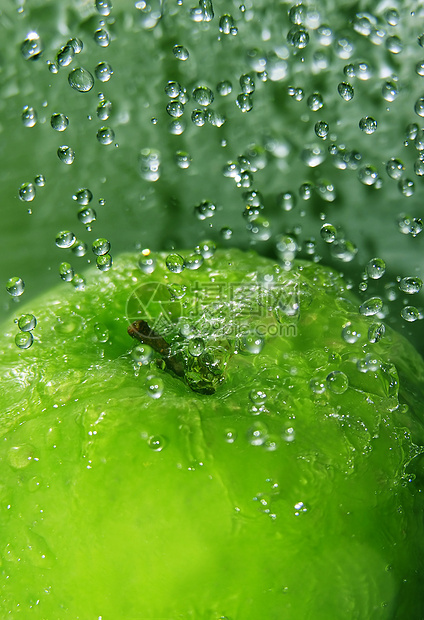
{"x": 247, "y": 84}
{"x": 87, "y": 216}
{"x": 368, "y": 125}
{"x": 371, "y": 306}
{"x": 77, "y": 44}
{"x": 103, "y": 7}
{"x": 368, "y": 175}
{"x": 421, "y": 40}
{"x": 65, "y": 239}
{"x": 315, "y": 102}
{"x": 286, "y": 201}
{"x": 196, "y": 346}
{"x": 337, "y": 382}
{"x": 395, "y": 168}
{"x": 29, "y": 116}
{"x": 410, "y": 285}
{"x": 419, "y": 106}
{"x": 321, "y": 129}
{"x": 257, "y": 434}
{"x": 410, "y": 226}
{"x": 419, "y": 167}
{"x": 230, "y": 435}
{"x": 101, "y": 37}
{"x": 376, "y": 268}
{"x": 104, "y": 110}
{"x": 252, "y": 343}
{"x": 205, "y": 210}
{"x": 180, "y": 52}
{"x": 20, "y": 456}
{"x": 328, "y": 232}
{"x": 226, "y": 233}
{"x": 203, "y": 95}
{"x": 81, "y": 80}
{"x": 406, "y": 187}
{"x": 32, "y": 47}
{"x": 175, "y": 109}
{"x": 101, "y": 332}
{"x": 27, "y": 192}
{"x": 40, "y": 180}
{"x": 24, "y": 340}
{"x": 104, "y": 262}
{"x": 317, "y": 386}
{"x": 105, "y": 135}
{"x": 224, "y": 88}
{"x": 183, "y": 159}
{"x": 257, "y": 396}
{"x": 394, "y": 45}
{"x": 346, "y": 91}
{"x": 206, "y": 248}
{"x": 103, "y": 71}
{"x": 376, "y": 331}
{"x": 65, "y": 55}
{"x": 305, "y": 191}
{"x": 392, "y": 17}
{"x": 59, "y": 122}
{"x": 83, "y": 196}
{"x": 66, "y": 154}
{"x": 244, "y": 102}
{"x": 150, "y": 165}
{"x": 66, "y": 272}
{"x": 410, "y": 314}
{"x": 175, "y": 263}
{"x": 79, "y": 248}
{"x": 312, "y": 156}
{"x": 344, "y": 250}
{"x": 142, "y": 354}
{"x": 154, "y": 386}
{"x": 193, "y": 261}
{"x": 350, "y": 334}
{"x": 27, "y": 322}
{"x": 157, "y": 442}
{"x": 100, "y": 246}
{"x": 172, "y": 89}
{"x": 298, "y": 37}
{"x": 78, "y": 282}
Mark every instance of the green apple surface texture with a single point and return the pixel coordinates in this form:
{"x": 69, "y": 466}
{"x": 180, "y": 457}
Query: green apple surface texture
{"x": 287, "y": 492}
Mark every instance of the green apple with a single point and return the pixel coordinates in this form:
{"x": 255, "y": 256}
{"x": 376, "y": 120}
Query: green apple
{"x": 252, "y": 452}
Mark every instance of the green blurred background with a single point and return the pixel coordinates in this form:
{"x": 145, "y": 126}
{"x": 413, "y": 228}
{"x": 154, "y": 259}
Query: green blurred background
{"x": 138, "y": 213}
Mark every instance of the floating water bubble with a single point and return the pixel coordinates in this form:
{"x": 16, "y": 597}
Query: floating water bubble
{"x": 376, "y": 268}
{"x": 101, "y": 37}
{"x": 175, "y": 263}
{"x": 286, "y": 201}
{"x": 224, "y": 88}
{"x": 105, "y": 135}
{"x": 104, "y": 262}
{"x": 410, "y": 285}
{"x": 32, "y": 47}
{"x": 66, "y": 272}
{"x": 203, "y": 95}
{"x": 29, "y": 116}
{"x": 103, "y": 7}
{"x": 175, "y": 109}
{"x": 315, "y": 102}
{"x": 66, "y": 154}
{"x": 344, "y": 250}
{"x": 154, "y": 386}
{"x": 321, "y": 129}
{"x": 350, "y": 334}
{"x": 227, "y": 25}
{"x": 24, "y": 340}
{"x": 87, "y": 216}
{"x": 27, "y": 322}
{"x": 172, "y": 89}
{"x": 390, "y": 91}
{"x": 298, "y": 37}
{"x": 65, "y": 56}
{"x": 27, "y": 192}
{"x": 394, "y": 45}
{"x": 337, "y": 382}
{"x": 395, "y": 168}
{"x": 247, "y": 84}
{"x": 204, "y": 210}
{"x": 103, "y": 71}
{"x": 406, "y": 187}
{"x": 100, "y": 246}
{"x": 180, "y": 52}
{"x": 81, "y": 80}
{"x": 371, "y": 306}
{"x": 368, "y": 175}
{"x": 15, "y": 286}
{"x": 59, "y": 121}
{"x": 65, "y": 239}
{"x": 329, "y": 233}
{"x": 83, "y": 196}
{"x": 196, "y": 346}
{"x": 79, "y": 248}
{"x": 368, "y": 124}
{"x": 410, "y": 314}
